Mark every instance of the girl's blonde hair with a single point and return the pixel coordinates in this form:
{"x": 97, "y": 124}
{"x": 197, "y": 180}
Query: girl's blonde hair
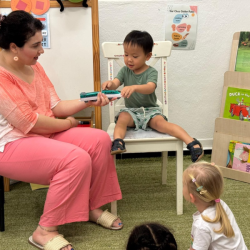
{"x": 204, "y": 181}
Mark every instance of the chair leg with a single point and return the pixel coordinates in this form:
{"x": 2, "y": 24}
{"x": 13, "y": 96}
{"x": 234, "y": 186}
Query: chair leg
{"x": 114, "y": 203}
{"x": 179, "y": 172}
{"x": 164, "y": 167}
{"x": 114, "y": 207}
{"x": 6, "y": 182}
{"x": 2, "y": 226}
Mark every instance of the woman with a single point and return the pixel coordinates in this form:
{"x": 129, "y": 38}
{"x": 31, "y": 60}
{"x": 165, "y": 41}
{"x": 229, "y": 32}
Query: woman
{"x": 36, "y": 147}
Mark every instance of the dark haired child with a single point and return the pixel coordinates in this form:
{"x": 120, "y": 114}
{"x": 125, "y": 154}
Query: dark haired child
{"x": 142, "y": 110}
{"x": 151, "y": 236}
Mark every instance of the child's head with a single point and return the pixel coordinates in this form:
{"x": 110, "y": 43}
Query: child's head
{"x": 137, "y": 50}
{"x": 204, "y": 181}
{"x": 140, "y": 39}
{"x": 151, "y": 236}
{"x": 203, "y": 185}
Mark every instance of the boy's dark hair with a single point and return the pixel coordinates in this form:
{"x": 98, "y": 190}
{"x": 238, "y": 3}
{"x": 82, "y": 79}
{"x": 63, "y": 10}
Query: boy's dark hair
{"x": 140, "y": 38}
{"x": 151, "y": 236}
{"x": 18, "y": 27}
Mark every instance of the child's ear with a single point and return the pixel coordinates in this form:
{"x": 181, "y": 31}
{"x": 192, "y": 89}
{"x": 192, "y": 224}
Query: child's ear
{"x": 149, "y": 56}
{"x": 192, "y": 198}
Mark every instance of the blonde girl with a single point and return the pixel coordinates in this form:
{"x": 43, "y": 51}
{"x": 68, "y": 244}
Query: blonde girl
{"x": 214, "y": 226}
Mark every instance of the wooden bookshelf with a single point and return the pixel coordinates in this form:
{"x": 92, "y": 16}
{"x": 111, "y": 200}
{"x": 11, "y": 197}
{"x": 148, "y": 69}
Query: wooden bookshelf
{"x": 230, "y": 129}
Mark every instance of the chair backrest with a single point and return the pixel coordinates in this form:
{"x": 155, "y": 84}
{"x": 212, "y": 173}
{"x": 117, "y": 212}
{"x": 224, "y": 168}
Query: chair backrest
{"x": 114, "y": 52}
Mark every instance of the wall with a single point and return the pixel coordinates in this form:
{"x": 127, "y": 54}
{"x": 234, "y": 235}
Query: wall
{"x": 195, "y": 77}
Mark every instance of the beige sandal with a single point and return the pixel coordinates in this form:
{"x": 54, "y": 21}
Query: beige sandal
{"x": 107, "y": 219}
{"x": 56, "y": 243}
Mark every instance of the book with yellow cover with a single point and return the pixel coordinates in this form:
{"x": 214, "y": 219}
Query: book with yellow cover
{"x": 37, "y": 186}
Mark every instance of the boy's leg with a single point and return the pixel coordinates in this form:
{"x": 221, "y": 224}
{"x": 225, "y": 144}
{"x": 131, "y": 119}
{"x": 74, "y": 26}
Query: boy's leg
{"x": 124, "y": 120}
{"x": 160, "y": 124}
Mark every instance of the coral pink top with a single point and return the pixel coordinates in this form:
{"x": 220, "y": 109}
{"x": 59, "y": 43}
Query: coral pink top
{"x": 21, "y": 103}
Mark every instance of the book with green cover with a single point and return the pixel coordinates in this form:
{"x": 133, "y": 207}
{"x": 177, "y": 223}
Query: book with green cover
{"x": 243, "y": 53}
{"x": 237, "y": 104}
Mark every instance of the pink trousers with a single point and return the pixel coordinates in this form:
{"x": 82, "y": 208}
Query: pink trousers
{"x": 75, "y": 163}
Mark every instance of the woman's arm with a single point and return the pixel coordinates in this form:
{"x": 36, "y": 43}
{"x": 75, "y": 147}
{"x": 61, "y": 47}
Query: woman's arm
{"x": 48, "y": 125}
{"x": 70, "y": 107}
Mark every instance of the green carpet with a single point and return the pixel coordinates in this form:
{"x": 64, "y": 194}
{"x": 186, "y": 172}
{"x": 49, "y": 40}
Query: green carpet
{"x": 144, "y": 199}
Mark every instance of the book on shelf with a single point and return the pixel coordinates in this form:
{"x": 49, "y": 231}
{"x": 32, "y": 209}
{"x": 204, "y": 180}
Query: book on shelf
{"x": 237, "y": 104}
{"x": 37, "y": 186}
{"x": 231, "y": 150}
{"x": 241, "y": 158}
{"x": 243, "y": 53}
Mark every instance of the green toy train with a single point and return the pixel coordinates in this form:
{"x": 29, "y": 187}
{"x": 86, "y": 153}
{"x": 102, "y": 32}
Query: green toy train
{"x": 92, "y": 96}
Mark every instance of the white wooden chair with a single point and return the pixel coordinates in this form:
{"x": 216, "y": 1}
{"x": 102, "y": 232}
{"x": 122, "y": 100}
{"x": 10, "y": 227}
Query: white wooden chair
{"x": 147, "y": 141}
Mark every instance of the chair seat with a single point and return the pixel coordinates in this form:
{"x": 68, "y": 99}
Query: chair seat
{"x": 141, "y": 134}
{"x": 159, "y": 142}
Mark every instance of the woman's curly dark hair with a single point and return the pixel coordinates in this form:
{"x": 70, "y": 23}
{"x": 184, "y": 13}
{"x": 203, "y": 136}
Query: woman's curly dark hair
{"x": 151, "y": 236}
{"x": 18, "y": 27}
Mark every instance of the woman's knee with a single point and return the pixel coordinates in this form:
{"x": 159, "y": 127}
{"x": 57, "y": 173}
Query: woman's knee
{"x": 78, "y": 161}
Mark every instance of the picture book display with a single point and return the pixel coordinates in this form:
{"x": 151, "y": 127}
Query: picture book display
{"x": 243, "y": 52}
{"x": 241, "y": 159}
{"x": 231, "y": 150}
{"x": 237, "y": 104}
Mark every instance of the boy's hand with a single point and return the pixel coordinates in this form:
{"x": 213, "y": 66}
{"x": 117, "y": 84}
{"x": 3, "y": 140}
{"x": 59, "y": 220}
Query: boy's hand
{"x": 127, "y": 91}
{"x": 107, "y": 85}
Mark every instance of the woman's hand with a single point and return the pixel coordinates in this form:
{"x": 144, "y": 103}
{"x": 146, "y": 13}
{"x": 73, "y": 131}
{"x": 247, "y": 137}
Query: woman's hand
{"x": 102, "y": 100}
{"x": 73, "y": 122}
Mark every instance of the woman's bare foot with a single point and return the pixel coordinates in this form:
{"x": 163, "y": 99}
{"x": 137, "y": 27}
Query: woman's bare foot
{"x": 42, "y": 236}
{"x": 96, "y": 213}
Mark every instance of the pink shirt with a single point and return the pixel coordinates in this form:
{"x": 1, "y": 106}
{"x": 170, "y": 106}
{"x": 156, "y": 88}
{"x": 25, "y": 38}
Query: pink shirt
{"x": 21, "y": 103}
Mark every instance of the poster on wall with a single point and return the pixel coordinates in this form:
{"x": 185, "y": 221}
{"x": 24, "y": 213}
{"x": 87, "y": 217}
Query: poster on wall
{"x": 45, "y": 32}
{"x": 181, "y": 26}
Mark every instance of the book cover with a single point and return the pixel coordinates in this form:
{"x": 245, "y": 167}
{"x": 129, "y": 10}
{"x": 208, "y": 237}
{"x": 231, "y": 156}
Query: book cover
{"x": 241, "y": 159}
{"x": 237, "y": 104}
{"x": 243, "y": 53}
{"x": 37, "y": 186}
{"x": 231, "y": 149}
